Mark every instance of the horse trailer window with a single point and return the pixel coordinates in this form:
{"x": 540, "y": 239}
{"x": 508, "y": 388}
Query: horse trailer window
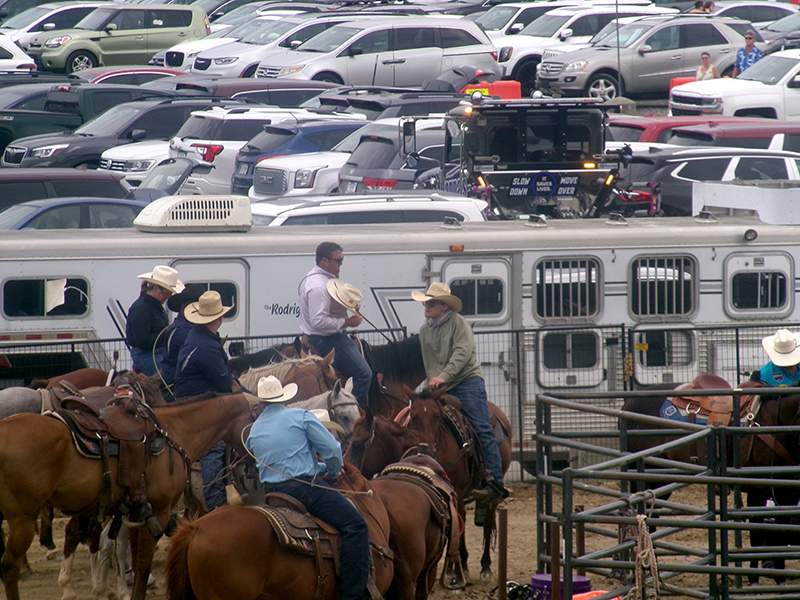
{"x": 570, "y": 351}
{"x": 45, "y": 297}
{"x": 567, "y": 288}
{"x": 480, "y": 297}
{"x": 663, "y": 287}
{"x": 758, "y": 290}
{"x": 664, "y": 348}
{"x": 227, "y": 291}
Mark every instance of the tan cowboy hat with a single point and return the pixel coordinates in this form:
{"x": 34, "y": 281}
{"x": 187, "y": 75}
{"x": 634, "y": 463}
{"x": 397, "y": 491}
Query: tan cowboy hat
{"x": 165, "y": 277}
{"x": 783, "y": 348}
{"x": 325, "y": 418}
{"x": 271, "y": 390}
{"x": 207, "y": 309}
{"x": 441, "y": 292}
{"x": 345, "y": 294}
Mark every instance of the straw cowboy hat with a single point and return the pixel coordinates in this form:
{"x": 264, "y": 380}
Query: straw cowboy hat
{"x": 783, "y": 348}
{"x": 165, "y": 277}
{"x": 345, "y": 294}
{"x": 208, "y": 308}
{"x": 191, "y": 293}
{"x": 271, "y": 390}
{"x": 441, "y": 292}
{"x": 325, "y": 419}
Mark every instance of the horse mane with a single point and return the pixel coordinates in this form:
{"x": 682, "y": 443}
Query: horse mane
{"x": 249, "y": 379}
{"x": 396, "y": 360}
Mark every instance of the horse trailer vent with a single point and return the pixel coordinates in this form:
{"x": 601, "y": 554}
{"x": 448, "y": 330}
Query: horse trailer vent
{"x": 196, "y": 214}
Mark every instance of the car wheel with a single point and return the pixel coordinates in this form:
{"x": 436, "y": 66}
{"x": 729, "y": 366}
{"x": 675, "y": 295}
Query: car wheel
{"x": 526, "y": 75}
{"x": 602, "y": 85}
{"x": 328, "y": 78}
{"x": 80, "y": 61}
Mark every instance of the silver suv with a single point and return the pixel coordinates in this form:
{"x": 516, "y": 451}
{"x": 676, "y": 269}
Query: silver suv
{"x": 652, "y": 50}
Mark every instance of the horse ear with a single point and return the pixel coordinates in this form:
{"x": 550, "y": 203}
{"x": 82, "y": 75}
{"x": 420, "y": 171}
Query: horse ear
{"x": 328, "y": 360}
{"x": 437, "y": 395}
{"x": 303, "y": 354}
{"x": 298, "y": 347}
{"x": 348, "y": 386}
{"x": 337, "y": 387}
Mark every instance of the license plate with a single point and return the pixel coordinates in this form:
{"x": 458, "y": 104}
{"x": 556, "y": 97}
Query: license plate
{"x": 243, "y": 169}
{"x": 351, "y": 187}
{"x": 181, "y": 153}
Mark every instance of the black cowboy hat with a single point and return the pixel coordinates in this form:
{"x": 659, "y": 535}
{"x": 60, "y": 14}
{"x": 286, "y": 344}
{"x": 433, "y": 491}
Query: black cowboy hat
{"x": 190, "y": 294}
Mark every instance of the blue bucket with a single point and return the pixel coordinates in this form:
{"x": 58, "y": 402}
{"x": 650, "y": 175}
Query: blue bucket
{"x": 541, "y": 588}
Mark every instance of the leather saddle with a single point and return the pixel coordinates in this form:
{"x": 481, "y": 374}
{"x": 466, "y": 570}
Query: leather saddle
{"x": 716, "y": 410}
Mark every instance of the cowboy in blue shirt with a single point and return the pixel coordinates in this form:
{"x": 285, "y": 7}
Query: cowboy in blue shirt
{"x": 286, "y": 442}
{"x": 177, "y": 332}
{"x": 783, "y": 348}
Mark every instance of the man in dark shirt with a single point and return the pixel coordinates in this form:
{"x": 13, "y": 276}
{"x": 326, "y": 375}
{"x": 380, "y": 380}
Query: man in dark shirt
{"x": 177, "y": 332}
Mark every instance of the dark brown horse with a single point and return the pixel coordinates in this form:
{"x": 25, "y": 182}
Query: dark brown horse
{"x": 396, "y": 365}
{"x": 40, "y": 465}
{"x": 233, "y": 552}
{"x": 377, "y": 441}
{"x": 759, "y": 450}
{"x": 81, "y": 379}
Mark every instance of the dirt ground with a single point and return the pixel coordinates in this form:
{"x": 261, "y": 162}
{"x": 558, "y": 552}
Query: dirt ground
{"x": 521, "y": 511}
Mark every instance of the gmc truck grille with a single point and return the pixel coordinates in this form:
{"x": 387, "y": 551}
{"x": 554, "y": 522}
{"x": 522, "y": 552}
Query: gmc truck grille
{"x": 550, "y": 68}
{"x": 202, "y": 64}
{"x": 271, "y": 182}
{"x": 14, "y": 155}
{"x": 271, "y": 72}
{"x": 174, "y": 59}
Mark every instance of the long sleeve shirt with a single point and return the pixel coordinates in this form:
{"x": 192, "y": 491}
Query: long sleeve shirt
{"x": 319, "y": 314}
{"x": 146, "y": 319}
{"x": 448, "y": 350}
{"x": 202, "y": 365}
{"x": 775, "y": 376}
{"x": 176, "y": 335}
{"x": 285, "y": 440}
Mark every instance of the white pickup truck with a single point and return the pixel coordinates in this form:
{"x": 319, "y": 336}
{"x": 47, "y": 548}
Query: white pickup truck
{"x": 770, "y": 89}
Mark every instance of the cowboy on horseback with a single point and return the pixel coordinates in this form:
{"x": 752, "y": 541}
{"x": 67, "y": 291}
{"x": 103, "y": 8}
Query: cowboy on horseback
{"x": 448, "y": 351}
{"x": 285, "y": 441}
{"x": 783, "y": 349}
{"x": 324, "y": 317}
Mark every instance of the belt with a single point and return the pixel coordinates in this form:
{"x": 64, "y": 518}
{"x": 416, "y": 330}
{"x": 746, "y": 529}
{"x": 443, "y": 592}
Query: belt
{"x": 294, "y": 481}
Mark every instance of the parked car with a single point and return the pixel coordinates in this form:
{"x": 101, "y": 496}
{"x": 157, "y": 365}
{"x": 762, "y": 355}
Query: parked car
{"x": 760, "y": 13}
{"x": 135, "y": 161}
{"x": 22, "y": 27}
{"x": 125, "y": 75}
{"x": 118, "y": 35}
{"x": 651, "y": 52}
{"x": 676, "y": 169}
{"x": 284, "y": 139}
{"x": 630, "y": 128}
{"x": 214, "y": 137}
{"x": 122, "y": 124}
{"x": 10, "y": 8}
{"x": 769, "y": 89}
{"x": 31, "y": 76}
{"x": 386, "y": 52}
{"x": 286, "y": 93}
{"x": 755, "y": 133}
{"x": 783, "y": 34}
{"x": 21, "y": 185}
{"x": 13, "y": 59}
{"x": 71, "y": 213}
{"x": 360, "y": 209}
{"x": 379, "y": 103}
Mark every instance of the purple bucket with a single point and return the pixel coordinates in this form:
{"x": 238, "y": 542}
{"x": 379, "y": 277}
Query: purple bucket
{"x": 541, "y": 588}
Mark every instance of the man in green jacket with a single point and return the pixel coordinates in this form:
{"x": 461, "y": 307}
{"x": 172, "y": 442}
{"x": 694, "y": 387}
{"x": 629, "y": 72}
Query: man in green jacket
{"x": 448, "y": 351}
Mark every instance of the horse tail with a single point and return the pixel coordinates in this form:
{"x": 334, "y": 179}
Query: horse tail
{"x": 179, "y": 586}
{"x": 39, "y": 383}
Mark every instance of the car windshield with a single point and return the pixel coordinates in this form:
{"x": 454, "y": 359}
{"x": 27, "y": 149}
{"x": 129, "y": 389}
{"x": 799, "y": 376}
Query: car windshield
{"x": 14, "y": 93}
{"x": 268, "y": 32}
{"x": 496, "y": 17}
{"x": 110, "y": 122}
{"x": 239, "y": 13}
{"x": 545, "y": 26}
{"x": 206, "y": 5}
{"x": 96, "y": 19}
{"x": 165, "y": 174}
{"x": 27, "y": 17}
{"x": 329, "y": 40}
{"x": 14, "y": 214}
{"x": 784, "y": 25}
{"x": 610, "y": 29}
{"x": 349, "y": 143}
{"x": 242, "y": 29}
{"x": 770, "y": 70}
{"x": 626, "y": 36}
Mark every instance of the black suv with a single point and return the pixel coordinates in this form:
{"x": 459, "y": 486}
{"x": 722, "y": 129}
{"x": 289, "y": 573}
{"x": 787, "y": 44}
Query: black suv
{"x": 125, "y": 123}
{"x": 286, "y": 138}
{"x": 377, "y": 103}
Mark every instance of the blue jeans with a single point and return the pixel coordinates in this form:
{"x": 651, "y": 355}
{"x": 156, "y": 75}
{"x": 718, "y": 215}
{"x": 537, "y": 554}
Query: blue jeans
{"x": 212, "y": 464}
{"x": 472, "y": 394}
{"x": 333, "y": 508}
{"x": 144, "y": 360}
{"x": 348, "y": 360}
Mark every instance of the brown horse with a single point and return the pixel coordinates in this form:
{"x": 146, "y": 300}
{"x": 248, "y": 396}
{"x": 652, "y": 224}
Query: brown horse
{"x": 377, "y": 441}
{"x": 273, "y": 354}
{"x": 233, "y": 552}
{"x": 40, "y": 465}
{"x": 396, "y": 365}
{"x": 81, "y": 379}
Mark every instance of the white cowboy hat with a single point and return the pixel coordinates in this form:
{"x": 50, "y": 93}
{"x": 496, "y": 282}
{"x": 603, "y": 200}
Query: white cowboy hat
{"x": 441, "y": 292}
{"x": 345, "y": 294}
{"x": 325, "y": 418}
{"x": 165, "y": 277}
{"x": 271, "y": 390}
{"x": 783, "y": 348}
{"x": 207, "y": 309}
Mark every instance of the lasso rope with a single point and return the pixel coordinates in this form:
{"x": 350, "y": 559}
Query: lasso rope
{"x": 645, "y": 561}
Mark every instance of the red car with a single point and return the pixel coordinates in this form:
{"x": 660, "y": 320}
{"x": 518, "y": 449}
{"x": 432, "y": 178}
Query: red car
{"x": 126, "y": 75}
{"x": 628, "y": 128}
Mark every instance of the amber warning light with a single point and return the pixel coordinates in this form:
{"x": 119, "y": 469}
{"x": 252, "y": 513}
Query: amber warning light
{"x": 456, "y": 247}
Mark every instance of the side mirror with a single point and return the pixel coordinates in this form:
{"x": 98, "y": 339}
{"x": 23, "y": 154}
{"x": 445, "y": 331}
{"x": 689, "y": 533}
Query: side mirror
{"x": 426, "y": 164}
{"x": 794, "y": 82}
{"x": 295, "y": 43}
{"x": 564, "y": 34}
{"x": 409, "y": 137}
{"x": 515, "y": 28}
{"x": 137, "y": 135}
{"x": 48, "y": 27}
{"x": 645, "y": 49}
{"x": 452, "y": 131}
{"x": 111, "y": 27}
{"x": 355, "y": 50}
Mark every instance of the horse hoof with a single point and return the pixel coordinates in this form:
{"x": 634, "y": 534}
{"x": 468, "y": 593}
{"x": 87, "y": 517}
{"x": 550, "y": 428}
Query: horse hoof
{"x": 52, "y": 554}
{"x": 486, "y": 575}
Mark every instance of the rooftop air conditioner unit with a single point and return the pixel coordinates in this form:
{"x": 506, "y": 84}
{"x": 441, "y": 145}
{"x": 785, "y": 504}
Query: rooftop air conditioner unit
{"x": 196, "y": 214}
